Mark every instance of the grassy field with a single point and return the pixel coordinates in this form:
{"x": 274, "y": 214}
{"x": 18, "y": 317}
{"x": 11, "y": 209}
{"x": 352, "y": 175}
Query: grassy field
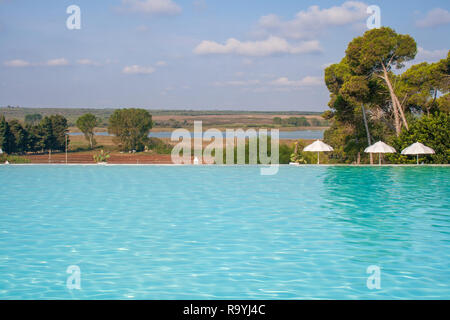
{"x": 169, "y": 119}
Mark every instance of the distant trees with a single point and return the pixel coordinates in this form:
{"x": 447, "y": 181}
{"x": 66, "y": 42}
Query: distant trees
{"x": 300, "y": 122}
{"x": 33, "y": 119}
{"x": 131, "y": 127}
{"x": 49, "y": 134}
{"x": 20, "y": 136}
{"x": 53, "y": 130}
{"x": 6, "y": 136}
{"x": 87, "y": 123}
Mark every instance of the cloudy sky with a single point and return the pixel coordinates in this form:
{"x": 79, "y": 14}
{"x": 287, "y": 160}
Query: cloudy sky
{"x": 193, "y": 54}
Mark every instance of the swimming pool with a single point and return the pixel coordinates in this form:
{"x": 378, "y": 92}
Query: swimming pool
{"x": 218, "y": 232}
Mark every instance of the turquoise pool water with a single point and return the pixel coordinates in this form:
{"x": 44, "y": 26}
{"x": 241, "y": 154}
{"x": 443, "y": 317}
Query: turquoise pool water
{"x": 207, "y": 232}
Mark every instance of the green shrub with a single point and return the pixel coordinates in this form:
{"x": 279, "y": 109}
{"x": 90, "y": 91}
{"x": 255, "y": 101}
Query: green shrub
{"x": 433, "y": 131}
{"x": 13, "y": 159}
{"x": 303, "y": 157}
{"x": 101, "y": 157}
{"x": 159, "y": 146}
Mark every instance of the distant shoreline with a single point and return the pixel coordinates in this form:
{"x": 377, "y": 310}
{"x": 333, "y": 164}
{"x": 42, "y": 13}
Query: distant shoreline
{"x": 191, "y": 129}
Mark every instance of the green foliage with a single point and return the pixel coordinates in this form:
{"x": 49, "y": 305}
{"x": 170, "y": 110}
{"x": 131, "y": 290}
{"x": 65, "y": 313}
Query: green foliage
{"x": 444, "y": 103}
{"x": 13, "y": 159}
{"x": 362, "y": 78}
{"x": 300, "y": 122}
{"x": 49, "y": 134}
{"x": 7, "y": 139}
{"x": 34, "y": 138}
{"x": 432, "y": 131}
{"x": 20, "y": 136}
{"x": 336, "y": 75}
{"x": 303, "y": 157}
{"x": 297, "y": 122}
{"x": 102, "y": 156}
{"x": 284, "y": 151}
{"x": 421, "y": 84}
{"x": 159, "y": 146}
{"x": 87, "y": 123}
{"x": 131, "y": 127}
{"x": 33, "y": 119}
{"x": 53, "y": 130}
{"x": 377, "y": 47}
{"x": 296, "y": 155}
{"x": 277, "y": 120}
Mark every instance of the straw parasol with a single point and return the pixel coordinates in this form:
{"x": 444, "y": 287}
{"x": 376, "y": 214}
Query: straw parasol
{"x": 379, "y": 147}
{"x": 318, "y": 146}
{"x": 416, "y": 149}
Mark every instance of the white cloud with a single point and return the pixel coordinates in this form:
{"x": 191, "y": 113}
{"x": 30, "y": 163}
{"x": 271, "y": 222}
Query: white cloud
{"x": 307, "y": 81}
{"x": 161, "y": 64}
{"x": 308, "y": 23}
{"x": 135, "y": 69}
{"x": 272, "y": 45}
{"x": 88, "y": 62}
{"x": 154, "y": 7}
{"x": 50, "y": 63}
{"x": 434, "y": 17}
{"x": 17, "y": 63}
{"x": 57, "y": 62}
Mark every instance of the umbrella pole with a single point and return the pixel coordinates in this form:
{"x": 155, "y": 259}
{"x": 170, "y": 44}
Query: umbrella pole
{"x": 417, "y": 158}
{"x": 318, "y": 154}
{"x": 379, "y": 159}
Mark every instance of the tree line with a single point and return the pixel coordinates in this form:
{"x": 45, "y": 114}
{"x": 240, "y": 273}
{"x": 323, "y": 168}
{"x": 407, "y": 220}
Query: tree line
{"x": 35, "y": 135}
{"x": 130, "y": 127}
{"x": 300, "y": 122}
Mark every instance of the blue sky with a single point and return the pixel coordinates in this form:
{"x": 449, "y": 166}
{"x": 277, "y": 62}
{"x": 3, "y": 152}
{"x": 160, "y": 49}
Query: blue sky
{"x": 193, "y": 54}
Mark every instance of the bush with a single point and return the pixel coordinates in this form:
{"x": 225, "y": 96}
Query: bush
{"x": 101, "y": 157}
{"x": 285, "y": 153}
{"x": 13, "y": 159}
{"x": 307, "y": 157}
{"x": 432, "y": 131}
{"x": 159, "y": 146}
